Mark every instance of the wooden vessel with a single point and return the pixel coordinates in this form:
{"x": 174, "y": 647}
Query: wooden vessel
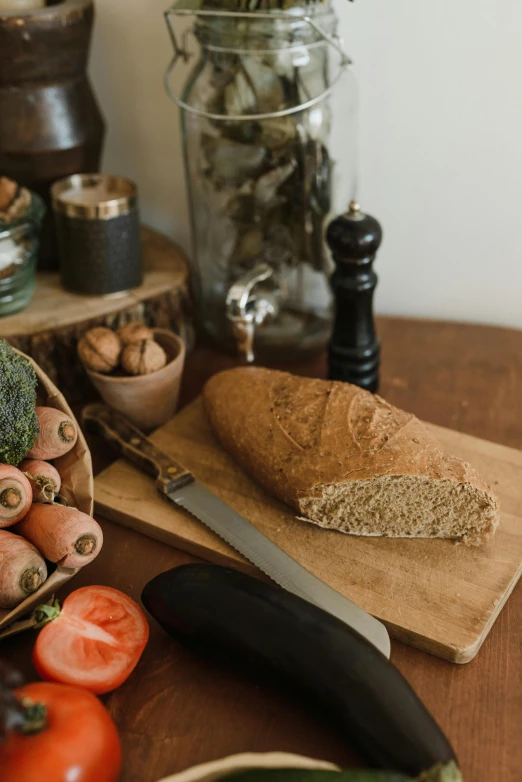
{"x": 50, "y": 125}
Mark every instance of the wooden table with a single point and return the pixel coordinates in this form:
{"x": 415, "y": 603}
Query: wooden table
{"x": 176, "y": 710}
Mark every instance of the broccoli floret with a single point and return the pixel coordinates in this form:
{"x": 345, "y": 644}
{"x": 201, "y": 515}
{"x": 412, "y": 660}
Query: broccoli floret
{"x": 18, "y": 419}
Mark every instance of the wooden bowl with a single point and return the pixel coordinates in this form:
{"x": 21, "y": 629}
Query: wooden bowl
{"x": 75, "y": 469}
{"x": 147, "y": 400}
{"x": 217, "y": 769}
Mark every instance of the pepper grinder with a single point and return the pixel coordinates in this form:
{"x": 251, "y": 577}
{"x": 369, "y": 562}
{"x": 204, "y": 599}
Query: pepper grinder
{"x": 354, "y": 349}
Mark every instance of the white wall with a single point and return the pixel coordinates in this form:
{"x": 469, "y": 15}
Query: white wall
{"x": 440, "y": 142}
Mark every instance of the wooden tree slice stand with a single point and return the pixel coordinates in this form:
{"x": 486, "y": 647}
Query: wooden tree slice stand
{"x": 49, "y": 329}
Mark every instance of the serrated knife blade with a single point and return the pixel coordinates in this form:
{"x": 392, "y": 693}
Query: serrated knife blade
{"x": 181, "y": 488}
{"x": 275, "y": 563}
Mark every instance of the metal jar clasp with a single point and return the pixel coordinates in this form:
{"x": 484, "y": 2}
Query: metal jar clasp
{"x": 181, "y": 53}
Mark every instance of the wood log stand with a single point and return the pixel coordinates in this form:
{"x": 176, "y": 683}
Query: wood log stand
{"x": 49, "y": 329}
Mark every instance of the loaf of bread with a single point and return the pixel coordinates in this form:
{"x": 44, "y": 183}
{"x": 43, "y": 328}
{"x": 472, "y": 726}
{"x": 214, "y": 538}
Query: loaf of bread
{"x": 345, "y": 459}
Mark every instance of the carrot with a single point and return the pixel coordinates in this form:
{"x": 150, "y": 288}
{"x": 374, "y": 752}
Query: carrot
{"x": 44, "y": 479}
{"x": 63, "y": 535}
{"x": 16, "y": 495}
{"x": 57, "y": 434}
{"x": 22, "y": 569}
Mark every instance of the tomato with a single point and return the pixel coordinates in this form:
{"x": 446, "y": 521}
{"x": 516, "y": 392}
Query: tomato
{"x": 95, "y": 642}
{"x": 79, "y": 743}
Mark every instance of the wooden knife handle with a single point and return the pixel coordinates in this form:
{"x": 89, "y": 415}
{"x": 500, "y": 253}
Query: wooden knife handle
{"x": 130, "y": 442}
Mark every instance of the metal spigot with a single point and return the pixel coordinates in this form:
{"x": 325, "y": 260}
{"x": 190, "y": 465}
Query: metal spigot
{"x": 246, "y": 309}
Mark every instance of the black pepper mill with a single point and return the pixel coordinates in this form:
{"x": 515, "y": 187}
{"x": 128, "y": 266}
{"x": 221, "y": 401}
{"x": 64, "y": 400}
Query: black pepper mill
{"x": 354, "y": 350}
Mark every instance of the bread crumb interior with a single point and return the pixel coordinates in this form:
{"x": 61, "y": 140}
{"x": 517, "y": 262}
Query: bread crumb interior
{"x": 402, "y": 507}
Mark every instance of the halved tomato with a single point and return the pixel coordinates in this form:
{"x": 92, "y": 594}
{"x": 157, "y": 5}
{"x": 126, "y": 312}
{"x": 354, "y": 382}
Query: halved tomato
{"x": 95, "y": 641}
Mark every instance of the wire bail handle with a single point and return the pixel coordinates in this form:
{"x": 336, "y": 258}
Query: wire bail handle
{"x": 181, "y": 53}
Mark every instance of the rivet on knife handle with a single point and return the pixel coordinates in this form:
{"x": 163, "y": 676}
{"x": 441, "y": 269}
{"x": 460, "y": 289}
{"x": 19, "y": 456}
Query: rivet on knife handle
{"x": 130, "y": 442}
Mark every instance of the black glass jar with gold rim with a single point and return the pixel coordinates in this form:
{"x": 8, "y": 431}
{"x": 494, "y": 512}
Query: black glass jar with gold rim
{"x": 98, "y": 230}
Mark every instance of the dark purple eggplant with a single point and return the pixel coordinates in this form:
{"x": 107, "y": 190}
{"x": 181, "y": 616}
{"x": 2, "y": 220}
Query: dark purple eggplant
{"x": 217, "y": 607}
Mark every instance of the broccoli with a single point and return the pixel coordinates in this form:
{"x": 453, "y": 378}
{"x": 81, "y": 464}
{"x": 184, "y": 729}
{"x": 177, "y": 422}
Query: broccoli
{"x": 18, "y": 419}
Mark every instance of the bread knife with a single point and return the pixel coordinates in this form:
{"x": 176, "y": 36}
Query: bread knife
{"x": 181, "y": 488}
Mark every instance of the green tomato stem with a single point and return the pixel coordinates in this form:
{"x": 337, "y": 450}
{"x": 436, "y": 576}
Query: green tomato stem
{"x": 46, "y": 613}
{"x": 35, "y": 717}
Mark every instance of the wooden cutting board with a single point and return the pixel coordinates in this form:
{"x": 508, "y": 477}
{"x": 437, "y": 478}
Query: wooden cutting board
{"x": 435, "y": 595}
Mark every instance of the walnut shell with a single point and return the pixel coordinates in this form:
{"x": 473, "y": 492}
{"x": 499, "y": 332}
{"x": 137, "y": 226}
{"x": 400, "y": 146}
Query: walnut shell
{"x": 14, "y": 200}
{"x": 144, "y": 357}
{"x": 99, "y": 350}
{"x": 8, "y": 190}
{"x": 134, "y": 332}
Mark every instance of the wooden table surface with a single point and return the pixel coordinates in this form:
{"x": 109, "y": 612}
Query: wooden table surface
{"x": 176, "y": 710}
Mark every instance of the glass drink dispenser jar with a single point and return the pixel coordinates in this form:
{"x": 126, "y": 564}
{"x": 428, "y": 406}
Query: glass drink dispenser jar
{"x": 268, "y": 117}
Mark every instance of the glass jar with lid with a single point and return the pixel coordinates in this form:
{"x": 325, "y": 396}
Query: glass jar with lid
{"x": 269, "y": 122}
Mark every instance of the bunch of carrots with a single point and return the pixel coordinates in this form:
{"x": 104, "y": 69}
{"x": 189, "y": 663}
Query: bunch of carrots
{"x": 56, "y": 730}
{"x": 32, "y": 507}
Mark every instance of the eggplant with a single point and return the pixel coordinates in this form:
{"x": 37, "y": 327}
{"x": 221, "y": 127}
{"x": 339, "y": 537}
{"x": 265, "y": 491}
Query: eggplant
{"x": 214, "y": 607}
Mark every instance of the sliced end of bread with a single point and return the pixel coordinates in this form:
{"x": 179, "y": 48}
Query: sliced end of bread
{"x": 399, "y": 506}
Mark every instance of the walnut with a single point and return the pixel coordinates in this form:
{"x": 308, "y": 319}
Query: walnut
{"x": 134, "y": 332}
{"x": 8, "y": 190}
{"x": 14, "y": 200}
{"x": 99, "y": 350}
{"x": 144, "y": 357}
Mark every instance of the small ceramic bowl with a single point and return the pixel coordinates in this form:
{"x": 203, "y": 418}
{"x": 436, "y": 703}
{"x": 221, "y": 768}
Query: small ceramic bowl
{"x": 147, "y": 400}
